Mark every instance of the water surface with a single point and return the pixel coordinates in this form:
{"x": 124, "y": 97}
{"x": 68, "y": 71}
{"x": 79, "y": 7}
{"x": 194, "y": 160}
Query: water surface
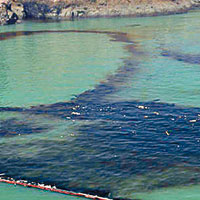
{"x": 111, "y": 110}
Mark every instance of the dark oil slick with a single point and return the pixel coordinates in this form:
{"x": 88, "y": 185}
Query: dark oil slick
{"x": 13, "y": 126}
{"x": 122, "y": 140}
{"x": 183, "y": 57}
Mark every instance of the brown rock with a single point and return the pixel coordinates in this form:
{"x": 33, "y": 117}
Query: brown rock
{"x": 18, "y": 9}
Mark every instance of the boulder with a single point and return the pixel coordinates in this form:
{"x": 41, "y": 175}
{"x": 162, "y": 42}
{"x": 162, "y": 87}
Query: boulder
{"x": 53, "y": 13}
{"x": 10, "y": 12}
{"x": 18, "y": 9}
{"x": 12, "y": 17}
{"x": 66, "y": 12}
{"x": 3, "y": 14}
{"x": 34, "y": 10}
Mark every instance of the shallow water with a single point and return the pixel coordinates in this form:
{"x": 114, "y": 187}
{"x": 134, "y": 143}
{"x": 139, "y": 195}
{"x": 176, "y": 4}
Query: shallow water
{"x": 179, "y": 193}
{"x": 45, "y": 70}
{"x": 106, "y": 124}
{"x": 16, "y": 193}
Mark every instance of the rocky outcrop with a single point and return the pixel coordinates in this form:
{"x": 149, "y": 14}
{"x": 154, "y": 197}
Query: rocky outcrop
{"x": 196, "y": 3}
{"x": 52, "y": 9}
{"x": 11, "y": 12}
{"x": 3, "y": 14}
{"x": 49, "y": 10}
{"x": 18, "y": 9}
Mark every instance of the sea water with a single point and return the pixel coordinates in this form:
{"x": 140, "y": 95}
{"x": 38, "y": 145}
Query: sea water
{"x": 17, "y": 192}
{"x": 100, "y": 111}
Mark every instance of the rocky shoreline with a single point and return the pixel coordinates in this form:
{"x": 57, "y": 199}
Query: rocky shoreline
{"x": 13, "y": 12}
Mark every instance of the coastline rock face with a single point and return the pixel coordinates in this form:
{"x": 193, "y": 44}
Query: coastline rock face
{"x": 18, "y": 9}
{"x": 3, "y": 14}
{"x": 11, "y": 12}
{"x": 49, "y": 10}
{"x": 67, "y": 9}
{"x": 34, "y": 10}
{"x": 196, "y": 3}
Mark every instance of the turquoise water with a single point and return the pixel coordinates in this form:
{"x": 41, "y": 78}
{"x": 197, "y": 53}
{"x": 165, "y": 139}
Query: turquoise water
{"x": 184, "y": 193}
{"x": 151, "y": 34}
{"x": 49, "y": 70}
{"x": 16, "y": 192}
{"x": 77, "y": 147}
{"x": 160, "y": 77}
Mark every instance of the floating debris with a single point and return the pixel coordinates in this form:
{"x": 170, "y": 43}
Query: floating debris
{"x": 75, "y": 113}
{"x": 167, "y": 133}
{"x": 193, "y": 120}
{"x": 157, "y": 113}
{"x": 142, "y": 107}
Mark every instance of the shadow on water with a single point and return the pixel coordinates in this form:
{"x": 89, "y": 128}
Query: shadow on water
{"x": 123, "y": 141}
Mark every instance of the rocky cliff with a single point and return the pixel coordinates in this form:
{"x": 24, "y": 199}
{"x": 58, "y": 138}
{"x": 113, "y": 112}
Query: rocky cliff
{"x": 98, "y": 8}
{"x": 11, "y": 12}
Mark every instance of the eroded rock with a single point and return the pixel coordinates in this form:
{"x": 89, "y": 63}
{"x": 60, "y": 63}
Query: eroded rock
{"x": 3, "y": 14}
{"x": 18, "y": 9}
{"x": 11, "y": 12}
